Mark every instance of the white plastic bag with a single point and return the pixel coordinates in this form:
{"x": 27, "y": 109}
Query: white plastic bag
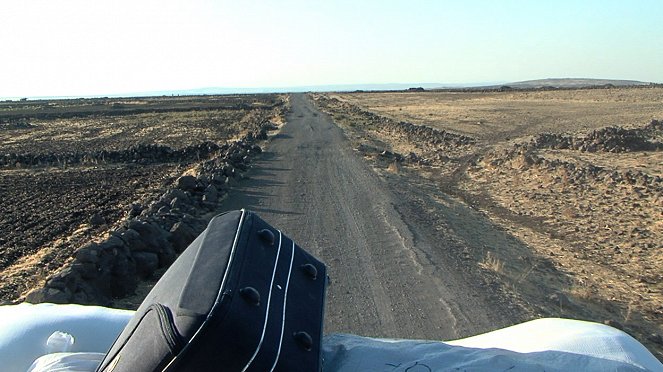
{"x": 67, "y": 362}
{"x": 25, "y": 331}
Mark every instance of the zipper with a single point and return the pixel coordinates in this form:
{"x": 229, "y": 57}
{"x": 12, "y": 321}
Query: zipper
{"x": 168, "y": 328}
{"x": 221, "y": 304}
{"x": 220, "y": 309}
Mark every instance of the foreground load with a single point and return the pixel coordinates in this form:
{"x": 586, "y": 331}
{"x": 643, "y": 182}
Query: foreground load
{"x": 241, "y": 297}
{"x": 28, "y": 334}
{"x": 244, "y": 297}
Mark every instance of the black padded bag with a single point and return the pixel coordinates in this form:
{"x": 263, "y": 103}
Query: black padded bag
{"x": 241, "y": 297}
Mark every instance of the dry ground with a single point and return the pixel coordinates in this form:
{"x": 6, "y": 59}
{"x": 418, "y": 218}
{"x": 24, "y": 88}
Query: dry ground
{"x": 496, "y": 116}
{"x": 590, "y": 218}
{"x": 64, "y": 162}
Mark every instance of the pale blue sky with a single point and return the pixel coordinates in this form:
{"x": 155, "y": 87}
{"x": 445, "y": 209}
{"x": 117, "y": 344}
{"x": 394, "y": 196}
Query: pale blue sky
{"x": 73, "y": 47}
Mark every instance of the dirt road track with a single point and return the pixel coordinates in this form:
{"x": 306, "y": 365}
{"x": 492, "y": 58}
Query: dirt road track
{"x": 390, "y": 277}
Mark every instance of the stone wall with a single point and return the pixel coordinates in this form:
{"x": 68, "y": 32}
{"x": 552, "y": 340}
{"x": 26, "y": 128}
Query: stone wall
{"x": 152, "y": 236}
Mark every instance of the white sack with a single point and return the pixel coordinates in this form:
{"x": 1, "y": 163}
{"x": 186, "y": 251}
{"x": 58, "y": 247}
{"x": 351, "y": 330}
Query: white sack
{"x": 25, "y": 328}
{"x": 544, "y": 344}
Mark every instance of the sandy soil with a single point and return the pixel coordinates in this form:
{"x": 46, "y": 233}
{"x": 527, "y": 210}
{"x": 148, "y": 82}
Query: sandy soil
{"x": 508, "y": 115}
{"x": 588, "y": 224}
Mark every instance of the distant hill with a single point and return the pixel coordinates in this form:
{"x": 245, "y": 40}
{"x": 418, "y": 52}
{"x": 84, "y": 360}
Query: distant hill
{"x": 573, "y": 83}
{"x": 304, "y": 88}
{"x": 528, "y": 84}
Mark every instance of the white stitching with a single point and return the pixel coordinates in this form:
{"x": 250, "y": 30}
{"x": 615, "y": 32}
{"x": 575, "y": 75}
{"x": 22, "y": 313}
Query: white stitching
{"x": 285, "y": 300}
{"x": 269, "y": 298}
{"x": 219, "y": 295}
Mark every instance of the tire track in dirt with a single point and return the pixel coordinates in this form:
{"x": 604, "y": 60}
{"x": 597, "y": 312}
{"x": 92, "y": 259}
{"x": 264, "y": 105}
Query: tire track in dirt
{"x": 389, "y": 277}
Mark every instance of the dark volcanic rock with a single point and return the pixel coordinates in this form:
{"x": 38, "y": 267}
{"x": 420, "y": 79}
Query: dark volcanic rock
{"x": 609, "y": 139}
{"x": 133, "y": 240}
{"x": 186, "y": 183}
{"x": 183, "y": 196}
{"x": 154, "y": 237}
{"x": 135, "y": 209}
{"x": 182, "y": 235}
{"x": 167, "y": 256}
{"x": 123, "y": 276}
{"x": 146, "y": 263}
{"x": 87, "y": 270}
{"x": 211, "y": 195}
{"x": 88, "y": 253}
{"x": 97, "y": 220}
{"x": 46, "y": 294}
{"x": 656, "y": 338}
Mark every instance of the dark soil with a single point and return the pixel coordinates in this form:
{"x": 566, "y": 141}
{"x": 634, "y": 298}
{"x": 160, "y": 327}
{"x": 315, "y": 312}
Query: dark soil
{"x": 40, "y": 205}
{"x": 71, "y": 169}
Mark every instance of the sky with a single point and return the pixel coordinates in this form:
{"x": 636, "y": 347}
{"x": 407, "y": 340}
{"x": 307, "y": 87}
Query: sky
{"x": 83, "y": 48}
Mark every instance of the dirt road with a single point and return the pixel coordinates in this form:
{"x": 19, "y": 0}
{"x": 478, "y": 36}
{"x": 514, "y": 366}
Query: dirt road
{"x": 393, "y": 273}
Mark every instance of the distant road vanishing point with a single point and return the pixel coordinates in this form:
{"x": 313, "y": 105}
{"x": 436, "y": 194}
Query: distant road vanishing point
{"x": 386, "y": 279}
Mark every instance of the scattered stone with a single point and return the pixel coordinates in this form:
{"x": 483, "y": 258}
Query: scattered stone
{"x": 141, "y": 154}
{"x": 614, "y": 324}
{"x": 97, "y": 220}
{"x": 656, "y": 338}
{"x": 135, "y": 209}
{"x": 560, "y": 299}
{"x": 368, "y": 149}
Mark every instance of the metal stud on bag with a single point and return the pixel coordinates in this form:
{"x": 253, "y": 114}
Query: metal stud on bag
{"x": 310, "y": 270}
{"x": 250, "y": 295}
{"x": 267, "y": 236}
{"x": 304, "y": 340}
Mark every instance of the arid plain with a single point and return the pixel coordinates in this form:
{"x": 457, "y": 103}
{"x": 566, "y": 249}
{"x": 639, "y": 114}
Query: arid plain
{"x": 462, "y": 211}
{"x": 572, "y": 178}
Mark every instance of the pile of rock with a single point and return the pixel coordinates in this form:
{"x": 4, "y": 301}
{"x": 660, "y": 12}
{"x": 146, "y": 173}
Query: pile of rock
{"x": 151, "y": 237}
{"x": 425, "y": 145}
{"x": 140, "y": 154}
{"x": 420, "y": 134}
{"x": 523, "y": 156}
{"x": 16, "y": 123}
{"x": 610, "y": 139}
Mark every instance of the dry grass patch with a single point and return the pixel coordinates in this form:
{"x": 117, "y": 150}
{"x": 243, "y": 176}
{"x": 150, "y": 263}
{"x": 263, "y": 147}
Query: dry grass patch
{"x": 492, "y": 263}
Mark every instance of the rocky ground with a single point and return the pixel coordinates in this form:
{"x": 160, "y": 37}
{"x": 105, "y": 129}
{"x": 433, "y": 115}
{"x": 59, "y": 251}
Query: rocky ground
{"x": 76, "y": 176}
{"x": 582, "y": 206}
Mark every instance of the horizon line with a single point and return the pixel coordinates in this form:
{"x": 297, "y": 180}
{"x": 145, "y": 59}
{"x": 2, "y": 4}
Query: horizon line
{"x": 303, "y": 88}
